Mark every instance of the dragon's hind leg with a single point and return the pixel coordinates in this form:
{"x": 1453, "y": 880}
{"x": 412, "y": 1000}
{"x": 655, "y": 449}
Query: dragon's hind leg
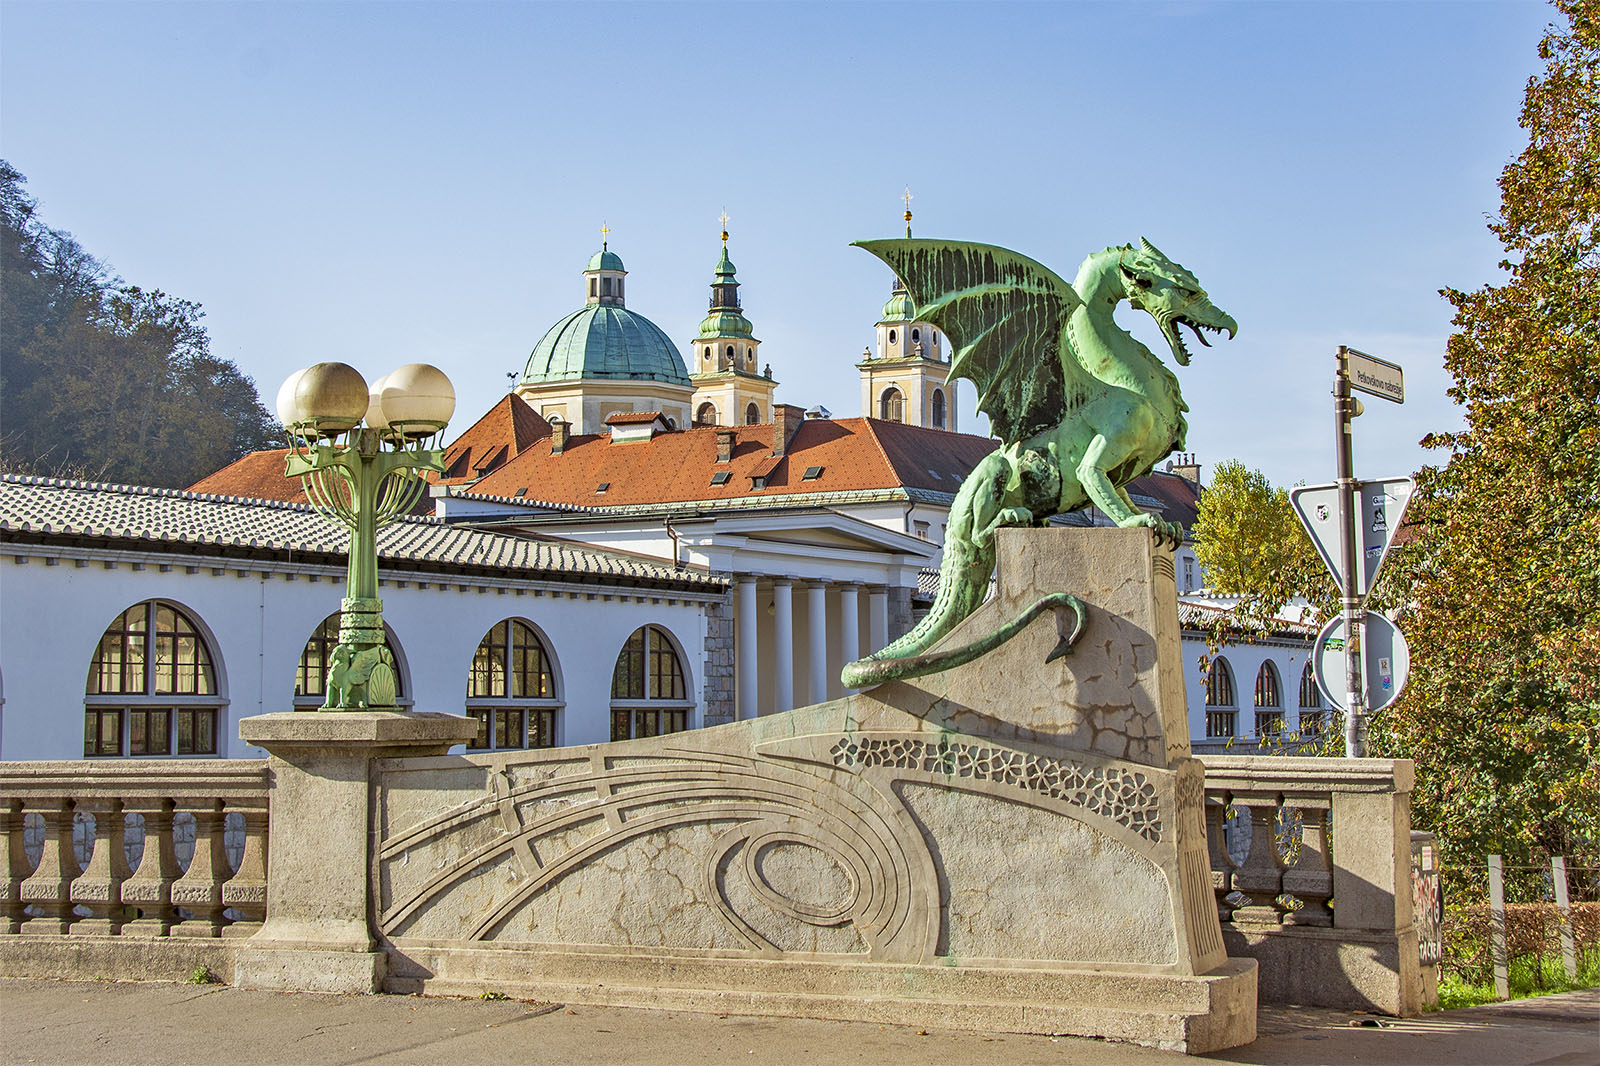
{"x": 1113, "y": 499}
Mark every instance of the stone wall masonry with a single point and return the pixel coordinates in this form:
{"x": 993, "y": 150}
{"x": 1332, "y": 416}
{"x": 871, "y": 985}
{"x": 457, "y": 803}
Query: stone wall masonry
{"x": 718, "y": 669}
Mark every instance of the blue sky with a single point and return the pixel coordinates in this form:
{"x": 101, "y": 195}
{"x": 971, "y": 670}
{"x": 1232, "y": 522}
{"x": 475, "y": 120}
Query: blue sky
{"x": 389, "y": 183}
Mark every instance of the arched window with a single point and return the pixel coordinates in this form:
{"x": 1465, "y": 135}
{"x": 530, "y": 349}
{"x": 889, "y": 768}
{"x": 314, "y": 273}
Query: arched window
{"x": 938, "y": 409}
{"x": 916, "y": 336}
{"x": 648, "y": 695}
{"x": 311, "y": 676}
{"x": 707, "y": 414}
{"x": 152, "y": 687}
{"x": 511, "y": 689}
{"x": 592, "y": 283}
{"x": 752, "y": 414}
{"x": 892, "y": 406}
{"x": 1312, "y": 718}
{"x": 730, "y": 353}
{"x": 1221, "y": 710}
{"x": 1269, "y": 701}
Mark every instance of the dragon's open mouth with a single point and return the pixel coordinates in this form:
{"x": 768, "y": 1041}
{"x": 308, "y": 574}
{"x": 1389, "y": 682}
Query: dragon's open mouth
{"x": 1180, "y": 351}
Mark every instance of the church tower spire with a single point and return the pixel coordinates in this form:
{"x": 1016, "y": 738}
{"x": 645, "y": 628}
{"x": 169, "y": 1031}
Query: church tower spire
{"x": 907, "y": 378}
{"x": 729, "y": 387}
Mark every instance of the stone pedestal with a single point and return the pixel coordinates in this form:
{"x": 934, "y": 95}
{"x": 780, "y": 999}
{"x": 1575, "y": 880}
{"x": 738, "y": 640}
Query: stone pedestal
{"x": 1017, "y": 843}
{"x": 317, "y": 937}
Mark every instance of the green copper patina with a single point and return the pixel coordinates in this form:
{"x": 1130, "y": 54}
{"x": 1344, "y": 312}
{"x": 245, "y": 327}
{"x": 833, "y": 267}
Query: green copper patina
{"x": 1080, "y": 406}
{"x": 362, "y": 485}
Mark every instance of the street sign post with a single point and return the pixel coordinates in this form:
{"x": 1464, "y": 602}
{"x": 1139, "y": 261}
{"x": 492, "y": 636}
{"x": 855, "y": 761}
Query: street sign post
{"x": 1382, "y": 505}
{"x": 1379, "y": 378}
{"x": 1375, "y": 376}
{"x": 1386, "y": 662}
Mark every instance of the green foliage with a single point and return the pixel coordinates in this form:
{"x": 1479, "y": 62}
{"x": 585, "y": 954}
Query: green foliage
{"x": 105, "y": 380}
{"x": 1502, "y": 713}
{"x": 493, "y": 997}
{"x": 202, "y": 975}
{"x": 1249, "y": 543}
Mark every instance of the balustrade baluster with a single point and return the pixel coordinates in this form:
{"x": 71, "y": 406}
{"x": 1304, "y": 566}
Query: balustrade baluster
{"x": 1310, "y": 878}
{"x": 14, "y": 866}
{"x": 1261, "y": 876}
{"x": 246, "y": 891}
{"x": 150, "y": 886}
{"x": 199, "y": 890}
{"x": 1222, "y": 868}
{"x": 99, "y": 888}
{"x": 49, "y": 887}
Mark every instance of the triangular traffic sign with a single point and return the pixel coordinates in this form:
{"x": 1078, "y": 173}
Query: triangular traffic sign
{"x": 1382, "y": 504}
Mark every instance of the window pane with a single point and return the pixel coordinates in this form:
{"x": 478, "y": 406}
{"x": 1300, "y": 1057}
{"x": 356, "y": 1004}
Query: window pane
{"x": 627, "y": 681}
{"x": 119, "y": 661}
{"x": 102, "y": 732}
{"x": 666, "y": 676}
{"x": 480, "y": 741}
{"x": 542, "y": 729}
{"x": 531, "y": 668}
{"x": 508, "y": 729}
{"x": 489, "y": 666}
{"x": 149, "y": 732}
{"x": 197, "y": 732}
{"x": 621, "y": 725}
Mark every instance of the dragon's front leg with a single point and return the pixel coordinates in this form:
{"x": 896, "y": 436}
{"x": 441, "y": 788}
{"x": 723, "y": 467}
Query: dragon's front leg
{"x": 1113, "y": 499}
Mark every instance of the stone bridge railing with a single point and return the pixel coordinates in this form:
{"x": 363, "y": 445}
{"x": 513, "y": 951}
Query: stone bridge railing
{"x": 1311, "y": 867}
{"x": 129, "y": 854}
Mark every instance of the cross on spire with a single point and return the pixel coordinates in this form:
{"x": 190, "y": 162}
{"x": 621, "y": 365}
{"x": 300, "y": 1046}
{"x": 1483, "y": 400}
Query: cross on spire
{"x": 723, "y": 218}
{"x": 605, "y": 233}
{"x": 907, "y": 197}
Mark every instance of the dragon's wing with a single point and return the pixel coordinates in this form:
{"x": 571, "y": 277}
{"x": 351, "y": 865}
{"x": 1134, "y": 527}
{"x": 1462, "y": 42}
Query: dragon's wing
{"x": 1006, "y": 318}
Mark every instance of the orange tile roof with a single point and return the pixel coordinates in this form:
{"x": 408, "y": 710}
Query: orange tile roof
{"x": 493, "y": 440}
{"x": 633, "y": 418}
{"x": 855, "y": 454}
{"x": 257, "y": 476}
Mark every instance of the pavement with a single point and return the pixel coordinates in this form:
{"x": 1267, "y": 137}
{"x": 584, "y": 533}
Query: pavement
{"x": 61, "y": 1023}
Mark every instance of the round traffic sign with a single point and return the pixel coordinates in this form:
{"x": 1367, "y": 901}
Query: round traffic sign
{"x": 1385, "y": 661}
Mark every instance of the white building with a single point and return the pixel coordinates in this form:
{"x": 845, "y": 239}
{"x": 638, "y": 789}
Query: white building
{"x": 147, "y": 622}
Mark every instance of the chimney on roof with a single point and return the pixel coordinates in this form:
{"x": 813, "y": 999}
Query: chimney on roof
{"x": 560, "y": 433}
{"x": 725, "y": 436}
{"x": 1185, "y": 467}
{"x": 786, "y": 419}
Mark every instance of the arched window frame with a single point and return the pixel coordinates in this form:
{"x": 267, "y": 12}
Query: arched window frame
{"x": 520, "y": 701}
{"x": 892, "y": 405}
{"x": 1268, "y": 701}
{"x": 752, "y": 414}
{"x": 1222, "y": 712}
{"x": 145, "y": 702}
{"x": 939, "y": 409}
{"x": 707, "y": 414}
{"x": 649, "y": 662}
{"x": 891, "y": 337}
{"x": 1313, "y": 716}
{"x": 311, "y": 671}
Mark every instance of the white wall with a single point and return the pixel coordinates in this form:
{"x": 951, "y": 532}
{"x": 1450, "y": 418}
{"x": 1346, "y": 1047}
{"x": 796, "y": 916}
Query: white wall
{"x": 258, "y": 625}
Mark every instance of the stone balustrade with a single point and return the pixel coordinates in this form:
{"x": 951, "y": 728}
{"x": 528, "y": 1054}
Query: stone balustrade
{"x": 133, "y": 849}
{"x": 1310, "y": 865}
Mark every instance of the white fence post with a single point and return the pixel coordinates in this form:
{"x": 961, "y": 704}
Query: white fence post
{"x": 1497, "y": 928}
{"x": 1569, "y": 952}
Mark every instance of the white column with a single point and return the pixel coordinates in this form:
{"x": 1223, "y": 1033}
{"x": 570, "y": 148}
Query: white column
{"x": 783, "y": 638}
{"x": 817, "y": 638}
{"x": 877, "y": 617}
{"x": 746, "y": 663}
{"x": 849, "y": 623}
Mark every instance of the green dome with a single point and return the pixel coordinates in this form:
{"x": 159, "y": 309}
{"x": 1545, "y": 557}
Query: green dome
{"x": 604, "y": 260}
{"x": 899, "y": 308}
{"x": 607, "y": 343}
{"x": 725, "y": 265}
{"x": 725, "y": 323}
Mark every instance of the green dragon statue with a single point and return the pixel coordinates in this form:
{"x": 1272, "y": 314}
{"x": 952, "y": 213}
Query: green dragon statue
{"x": 1080, "y": 406}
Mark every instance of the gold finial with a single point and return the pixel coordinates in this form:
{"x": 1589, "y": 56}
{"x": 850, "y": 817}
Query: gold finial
{"x": 723, "y": 218}
{"x": 605, "y": 233}
{"x": 907, "y": 197}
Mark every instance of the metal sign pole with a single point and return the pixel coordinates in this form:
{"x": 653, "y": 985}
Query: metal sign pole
{"x": 1355, "y": 723}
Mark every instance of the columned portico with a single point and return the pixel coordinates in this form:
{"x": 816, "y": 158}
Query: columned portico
{"x": 783, "y": 641}
{"x": 850, "y": 622}
{"x": 746, "y": 656}
{"x": 877, "y": 617}
{"x": 817, "y": 641}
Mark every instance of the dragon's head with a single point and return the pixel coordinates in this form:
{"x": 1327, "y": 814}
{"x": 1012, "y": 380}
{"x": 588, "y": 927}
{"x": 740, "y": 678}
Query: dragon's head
{"x": 1172, "y": 296}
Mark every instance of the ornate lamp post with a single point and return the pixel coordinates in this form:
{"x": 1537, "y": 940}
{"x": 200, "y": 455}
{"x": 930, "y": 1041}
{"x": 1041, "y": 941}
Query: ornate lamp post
{"x": 359, "y": 453}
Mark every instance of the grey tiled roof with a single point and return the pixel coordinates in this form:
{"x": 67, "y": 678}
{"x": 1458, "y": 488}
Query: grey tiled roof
{"x": 46, "y": 507}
